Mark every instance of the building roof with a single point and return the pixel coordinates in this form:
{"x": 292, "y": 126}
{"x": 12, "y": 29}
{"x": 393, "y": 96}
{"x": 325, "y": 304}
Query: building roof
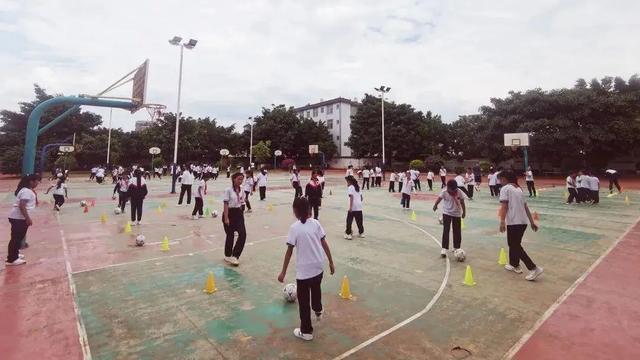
{"x": 327, "y": 102}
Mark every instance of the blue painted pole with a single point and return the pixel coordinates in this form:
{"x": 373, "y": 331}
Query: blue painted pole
{"x": 31, "y": 137}
{"x": 43, "y": 154}
{"x": 526, "y": 158}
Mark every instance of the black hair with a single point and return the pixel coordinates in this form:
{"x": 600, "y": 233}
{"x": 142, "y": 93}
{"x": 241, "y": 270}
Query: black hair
{"x": 233, "y": 180}
{"x": 138, "y": 174}
{"x": 352, "y": 181}
{"x": 452, "y": 184}
{"x": 511, "y": 176}
{"x": 24, "y": 182}
{"x": 301, "y": 209}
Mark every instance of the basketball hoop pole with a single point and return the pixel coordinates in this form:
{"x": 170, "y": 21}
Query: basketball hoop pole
{"x": 526, "y": 158}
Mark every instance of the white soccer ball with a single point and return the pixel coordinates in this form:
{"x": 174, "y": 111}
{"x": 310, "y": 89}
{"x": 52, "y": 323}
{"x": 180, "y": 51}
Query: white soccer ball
{"x": 460, "y": 255}
{"x": 83, "y": 203}
{"x": 117, "y": 211}
{"x": 290, "y": 292}
{"x": 214, "y": 213}
{"x": 140, "y": 240}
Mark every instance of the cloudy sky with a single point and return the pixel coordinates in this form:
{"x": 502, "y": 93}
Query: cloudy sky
{"x": 449, "y": 57}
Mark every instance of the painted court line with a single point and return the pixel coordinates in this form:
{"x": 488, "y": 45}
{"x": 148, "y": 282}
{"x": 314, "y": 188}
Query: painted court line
{"x": 171, "y": 256}
{"x": 82, "y": 332}
{"x": 415, "y": 316}
{"x": 547, "y": 314}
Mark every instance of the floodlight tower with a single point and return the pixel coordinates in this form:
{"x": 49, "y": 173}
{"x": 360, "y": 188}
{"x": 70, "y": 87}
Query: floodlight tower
{"x": 383, "y": 90}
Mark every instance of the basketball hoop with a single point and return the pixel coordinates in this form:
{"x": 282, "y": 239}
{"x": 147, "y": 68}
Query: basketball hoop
{"x": 156, "y": 111}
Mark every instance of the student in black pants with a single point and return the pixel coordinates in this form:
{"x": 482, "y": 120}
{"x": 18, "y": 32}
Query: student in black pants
{"x": 185, "y": 187}
{"x": 20, "y": 217}
{"x": 233, "y": 220}
{"x": 295, "y": 182}
{"x": 313, "y": 193}
{"x": 122, "y": 189}
{"x": 453, "y": 211}
{"x": 137, "y": 192}
{"x": 355, "y": 208}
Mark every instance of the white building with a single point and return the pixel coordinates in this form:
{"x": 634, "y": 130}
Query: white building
{"x": 143, "y": 124}
{"x": 336, "y": 114}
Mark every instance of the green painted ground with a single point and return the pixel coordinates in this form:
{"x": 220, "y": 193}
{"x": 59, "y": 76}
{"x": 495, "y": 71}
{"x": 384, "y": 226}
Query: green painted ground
{"x": 150, "y": 305}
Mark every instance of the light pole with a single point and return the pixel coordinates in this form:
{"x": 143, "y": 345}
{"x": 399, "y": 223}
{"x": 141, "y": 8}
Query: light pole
{"x": 251, "y": 141}
{"x": 382, "y": 90}
{"x": 109, "y": 139}
{"x": 176, "y": 41}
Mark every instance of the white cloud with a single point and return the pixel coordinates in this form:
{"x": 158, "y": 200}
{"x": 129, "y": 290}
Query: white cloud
{"x": 449, "y": 57}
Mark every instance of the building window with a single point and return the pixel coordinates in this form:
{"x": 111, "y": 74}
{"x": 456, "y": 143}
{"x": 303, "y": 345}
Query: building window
{"x": 330, "y": 124}
{"x": 322, "y": 109}
{"x": 338, "y": 122}
{"x": 338, "y": 137}
{"x": 308, "y": 113}
{"x": 315, "y": 112}
{"x": 329, "y": 109}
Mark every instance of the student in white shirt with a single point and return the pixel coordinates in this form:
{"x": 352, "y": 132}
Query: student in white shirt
{"x": 309, "y": 239}
{"x": 295, "y": 182}
{"x": 401, "y": 176}
{"x": 233, "y": 220}
{"x": 443, "y": 176}
{"x": 571, "y": 188}
{"x": 453, "y": 211}
{"x": 355, "y": 208}
{"x": 100, "y": 175}
{"x": 378, "y": 172}
{"x": 430, "y": 176}
{"x": 470, "y": 182}
{"x": 215, "y": 171}
{"x": 415, "y": 176}
{"x": 594, "y": 188}
{"x": 201, "y": 189}
{"x": 321, "y": 178}
{"x": 407, "y": 187}
{"x": 392, "y": 181}
{"x": 247, "y": 187}
{"x": 122, "y": 189}
{"x": 491, "y": 178}
{"x": 613, "y": 176}
{"x": 262, "y": 184}
{"x": 530, "y": 184}
{"x": 514, "y": 216}
{"x": 92, "y": 175}
{"x": 584, "y": 184}
{"x": 19, "y": 217}
{"x": 461, "y": 185}
{"x": 228, "y": 171}
{"x": 59, "y": 192}
{"x": 349, "y": 171}
{"x": 185, "y": 187}
{"x": 366, "y": 173}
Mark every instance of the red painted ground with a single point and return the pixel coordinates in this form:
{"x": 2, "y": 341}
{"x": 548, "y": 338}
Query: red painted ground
{"x": 601, "y": 318}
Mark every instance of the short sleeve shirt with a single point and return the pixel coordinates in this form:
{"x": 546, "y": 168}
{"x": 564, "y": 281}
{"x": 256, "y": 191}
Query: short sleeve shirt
{"x": 234, "y": 199}
{"x": 516, "y": 213}
{"x": 451, "y": 204}
{"x": 24, "y": 194}
{"x": 307, "y": 239}
{"x": 357, "y": 198}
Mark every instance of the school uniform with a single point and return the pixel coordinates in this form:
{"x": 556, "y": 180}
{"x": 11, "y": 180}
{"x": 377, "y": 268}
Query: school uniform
{"x": 137, "y": 192}
{"x": 92, "y": 175}
{"x": 571, "y": 189}
{"x": 198, "y": 196}
{"x": 477, "y": 176}
{"x": 460, "y": 182}
{"x": 228, "y": 171}
{"x": 443, "y": 177}
{"x": 356, "y": 210}
{"x": 349, "y": 172}
{"x": 185, "y": 187}
{"x": 584, "y": 184}
{"x": 235, "y": 201}
{"x": 122, "y": 188}
{"x": 516, "y": 220}
{"x": 365, "y": 178}
{"x": 100, "y": 175}
{"x": 613, "y": 176}
{"x": 498, "y": 182}
{"x": 392, "y": 182}
{"x": 262, "y": 185}
{"x": 415, "y": 176}
{"x": 247, "y": 187}
{"x": 19, "y": 223}
{"x": 407, "y": 187}
{"x": 470, "y": 181}
{"x": 594, "y": 189}
{"x": 401, "y": 177}
{"x": 430, "y": 177}
{"x": 492, "y": 179}
{"x": 295, "y": 182}
{"x": 307, "y": 239}
{"x": 530, "y": 184}
{"x": 59, "y": 192}
{"x": 322, "y": 181}
{"x": 452, "y": 217}
{"x": 378, "y": 171}
{"x": 313, "y": 193}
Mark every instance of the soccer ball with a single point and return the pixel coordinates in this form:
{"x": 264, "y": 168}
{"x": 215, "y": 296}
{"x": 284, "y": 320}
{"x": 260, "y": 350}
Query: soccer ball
{"x": 290, "y": 292}
{"x": 460, "y": 255}
{"x": 83, "y": 203}
{"x": 214, "y": 213}
{"x": 117, "y": 211}
{"x": 140, "y": 240}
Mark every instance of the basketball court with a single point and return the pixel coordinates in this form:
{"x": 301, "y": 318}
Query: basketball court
{"x": 89, "y": 292}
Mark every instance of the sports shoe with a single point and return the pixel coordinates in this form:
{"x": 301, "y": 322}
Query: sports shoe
{"x": 361, "y": 235}
{"x": 534, "y": 273}
{"x": 178, "y": 205}
{"x": 443, "y": 253}
{"x": 515, "y": 269}
{"x": 348, "y": 237}
{"x": 227, "y": 259}
{"x": 195, "y": 217}
{"x": 248, "y": 210}
{"x": 138, "y": 223}
{"x": 56, "y": 208}
{"x": 319, "y": 315}
{"x": 16, "y": 262}
{"x": 235, "y": 261}
{"x": 299, "y": 334}
{"x": 20, "y": 256}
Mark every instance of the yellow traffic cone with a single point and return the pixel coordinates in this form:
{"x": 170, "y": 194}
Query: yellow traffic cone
{"x": 210, "y": 285}
{"x": 413, "y": 216}
{"x": 103, "y": 218}
{"x": 468, "y": 277}
{"x": 127, "y": 228}
{"x": 345, "y": 291}
{"x": 163, "y": 204}
{"x": 165, "y": 244}
{"x": 159, "y": 210}
{"x": 502, "y": 258}
{"x": 462, "y": 224}
{"x": 626, "y": 200}
{"x": 269, "y": 207}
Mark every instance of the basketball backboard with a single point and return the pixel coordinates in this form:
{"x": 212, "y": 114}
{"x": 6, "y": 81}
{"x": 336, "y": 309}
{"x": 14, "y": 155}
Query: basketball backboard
{"x": 313, "y": 149}
{"x": 139, "y": 89}
{"x": 516, "y": 139}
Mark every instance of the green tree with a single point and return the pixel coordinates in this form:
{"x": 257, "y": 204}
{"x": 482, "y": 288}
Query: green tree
{"x": 262, "y": 151}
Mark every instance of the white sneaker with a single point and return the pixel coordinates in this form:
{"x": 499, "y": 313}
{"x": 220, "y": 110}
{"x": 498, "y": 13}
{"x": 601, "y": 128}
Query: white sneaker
{"x": 299, "y": 334}
{"x": 515, "y": 269}
{"x": 248, "y": 210}
{"x": 235, "y": 261}
{"x": 227, "y": 259}
{"x": 138, "y": 223}
{"x": 535, "y": 273}
{"x": 348, "y": 237}
{"x": 361, "y": 235}
{"x": 195, "y": 217}
{"x": 20, "y": 256}
{"x": 16, "y": 262}
{"x": 443, "y": 253}
{"x": 178, "y": 205}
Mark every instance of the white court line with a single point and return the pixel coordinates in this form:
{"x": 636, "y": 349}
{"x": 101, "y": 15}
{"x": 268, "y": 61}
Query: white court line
{"x": 547, "y": 314}
{"x": 82, "y": 332}
{"x": 412, "y": 318}
{"x": 172, "y": 256}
